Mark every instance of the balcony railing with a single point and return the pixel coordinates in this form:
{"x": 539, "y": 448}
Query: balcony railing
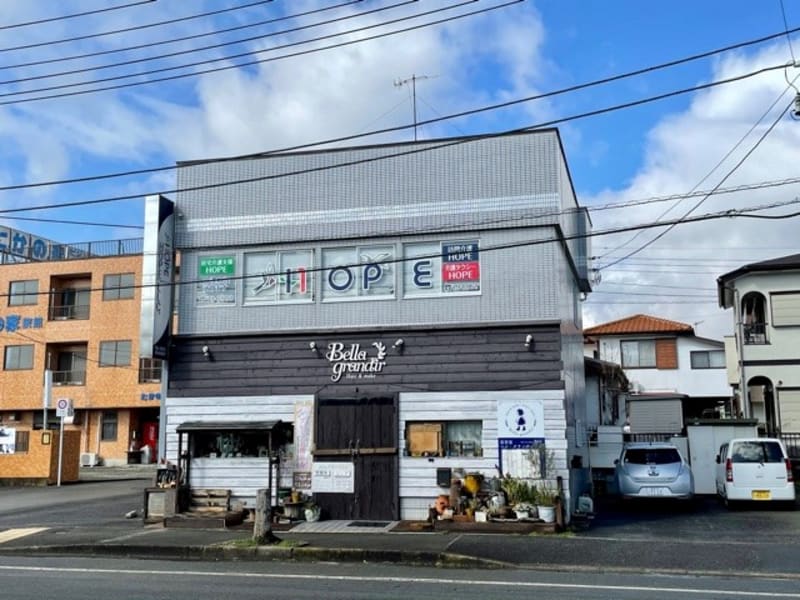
{"x": 69, "y": 312}
{"x": 69, "y": 377}
{"x": 755, "y": 333}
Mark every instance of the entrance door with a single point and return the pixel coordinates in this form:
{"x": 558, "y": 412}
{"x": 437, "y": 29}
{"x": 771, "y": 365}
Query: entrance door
{"x": 362, "y": 431}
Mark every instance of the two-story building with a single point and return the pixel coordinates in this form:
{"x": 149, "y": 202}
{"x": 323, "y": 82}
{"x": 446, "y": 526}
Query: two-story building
{"x": 365, "y": 323}
{"x": 665, "y": 359}
{"x": 765, "y": 298}
{"x": 69, "y": 333}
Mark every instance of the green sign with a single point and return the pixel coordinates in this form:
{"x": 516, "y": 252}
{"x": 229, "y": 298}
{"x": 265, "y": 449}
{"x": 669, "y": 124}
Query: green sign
{"x": 216, "y": 265}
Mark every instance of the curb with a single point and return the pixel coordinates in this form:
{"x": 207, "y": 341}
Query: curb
{"x": 272, "y": 553}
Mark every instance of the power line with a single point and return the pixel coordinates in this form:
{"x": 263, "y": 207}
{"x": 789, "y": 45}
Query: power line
{"x": 715, "y": 167}
{"x": 175, "y": 40}
{"x": 413, "y": 151}
{"x": 137, "y": 27}
{"x": 254, "y": 52}
{"x": 729, "y": 213}
{"x": 702, "y": 200}
{"x": 786, "y": 26}
{"x": 75, "y": 15}
{"x": 470, "y": 112}
{"x": 134, "y": 61}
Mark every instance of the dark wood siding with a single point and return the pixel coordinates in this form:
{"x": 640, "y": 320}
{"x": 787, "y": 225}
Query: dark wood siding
{"x": 435, "y": 360}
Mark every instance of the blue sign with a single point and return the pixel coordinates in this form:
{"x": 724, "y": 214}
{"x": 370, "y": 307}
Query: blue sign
{"x": 150, "y": 396}
{"x": 13, "y": 323}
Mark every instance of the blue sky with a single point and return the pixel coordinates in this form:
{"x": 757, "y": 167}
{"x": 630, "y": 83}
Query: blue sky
{"x": 521, "y": 50}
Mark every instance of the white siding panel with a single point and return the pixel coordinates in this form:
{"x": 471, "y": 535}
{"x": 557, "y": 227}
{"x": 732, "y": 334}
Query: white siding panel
{"x": 790, "y": 410}
{"x": 417, "y": 484}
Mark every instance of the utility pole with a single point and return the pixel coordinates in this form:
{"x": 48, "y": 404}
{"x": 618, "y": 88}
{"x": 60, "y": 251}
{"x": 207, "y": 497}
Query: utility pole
{"x": 413, "y": 80}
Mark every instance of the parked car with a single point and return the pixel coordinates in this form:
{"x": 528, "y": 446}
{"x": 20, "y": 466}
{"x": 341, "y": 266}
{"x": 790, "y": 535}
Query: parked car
{"x": 754, "y": 469}
{"x": 653, "y": 470}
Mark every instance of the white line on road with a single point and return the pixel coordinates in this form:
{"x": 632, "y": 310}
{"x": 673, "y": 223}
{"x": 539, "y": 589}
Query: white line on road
{"x": 14, "y": 534}
{"x": 421, "y": 580}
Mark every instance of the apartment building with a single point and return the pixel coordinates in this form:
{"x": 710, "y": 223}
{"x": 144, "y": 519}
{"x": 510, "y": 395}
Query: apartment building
{"x": 73, "y": 311}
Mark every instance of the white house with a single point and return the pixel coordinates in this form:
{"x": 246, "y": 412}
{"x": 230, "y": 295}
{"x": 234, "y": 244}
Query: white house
{"x": 665, "y": 358}
{"x": 765, "y": 298}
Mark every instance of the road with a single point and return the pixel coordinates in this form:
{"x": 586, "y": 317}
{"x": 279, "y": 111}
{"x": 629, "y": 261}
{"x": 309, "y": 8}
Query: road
{"x": 96, "y": 503}
{"x": 80, "y": 578}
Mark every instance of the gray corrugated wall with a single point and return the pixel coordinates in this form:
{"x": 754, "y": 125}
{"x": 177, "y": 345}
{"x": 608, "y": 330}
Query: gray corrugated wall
{"x": 516, "y": 168}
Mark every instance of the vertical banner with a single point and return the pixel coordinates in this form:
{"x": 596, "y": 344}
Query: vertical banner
{"x": 158, "y": 265}
{"x": 303, "y": 438}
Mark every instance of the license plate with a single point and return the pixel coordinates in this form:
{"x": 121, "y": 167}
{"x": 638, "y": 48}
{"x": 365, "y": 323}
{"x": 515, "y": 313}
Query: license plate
{"x": 760, "y": 494}
{"x": 654, "y": 491}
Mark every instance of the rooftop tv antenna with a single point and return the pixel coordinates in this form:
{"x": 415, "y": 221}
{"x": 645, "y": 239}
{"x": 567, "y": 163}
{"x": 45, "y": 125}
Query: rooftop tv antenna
{"x": 413, "y": 81}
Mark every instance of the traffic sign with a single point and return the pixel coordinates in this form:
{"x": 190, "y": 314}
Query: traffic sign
{"x": 64, "y": 407}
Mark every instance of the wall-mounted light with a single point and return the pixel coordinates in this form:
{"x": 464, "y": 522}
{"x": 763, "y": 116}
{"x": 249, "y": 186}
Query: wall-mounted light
{"x": 313, "y": 347}
{"x": 399, "y": 344}
{"x": 528, "y": 341}
{"x": 207, "y": 353}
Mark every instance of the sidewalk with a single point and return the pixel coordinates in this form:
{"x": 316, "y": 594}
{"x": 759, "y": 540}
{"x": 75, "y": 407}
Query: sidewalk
{"x": 708, "y": 540}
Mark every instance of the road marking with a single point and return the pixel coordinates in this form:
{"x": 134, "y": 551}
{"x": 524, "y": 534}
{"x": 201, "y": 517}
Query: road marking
{"x": 421, "y": 580}
{"x": 15, "y": 534}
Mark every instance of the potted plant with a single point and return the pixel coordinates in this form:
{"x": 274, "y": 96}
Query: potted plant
{"x": 547, "y": 497}
{"x": 521, "y": 495}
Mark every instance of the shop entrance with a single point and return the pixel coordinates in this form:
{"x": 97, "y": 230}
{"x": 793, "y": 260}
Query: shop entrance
{"x": 362, "y": 431}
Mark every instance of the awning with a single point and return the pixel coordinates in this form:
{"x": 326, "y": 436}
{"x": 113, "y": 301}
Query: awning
{"x": 192, "y": 426}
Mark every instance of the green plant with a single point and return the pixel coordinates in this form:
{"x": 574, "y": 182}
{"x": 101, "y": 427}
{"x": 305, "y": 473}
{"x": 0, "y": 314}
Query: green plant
{"x": 546, "y": 493}
{"x": 519, "y": 491}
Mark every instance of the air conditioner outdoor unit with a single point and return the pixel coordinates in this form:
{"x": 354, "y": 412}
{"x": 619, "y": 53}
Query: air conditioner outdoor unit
{"x": 89, "y": 459}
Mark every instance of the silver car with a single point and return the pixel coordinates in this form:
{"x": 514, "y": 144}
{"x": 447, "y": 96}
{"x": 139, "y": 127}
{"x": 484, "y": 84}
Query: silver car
{"x": 653, "y": 470}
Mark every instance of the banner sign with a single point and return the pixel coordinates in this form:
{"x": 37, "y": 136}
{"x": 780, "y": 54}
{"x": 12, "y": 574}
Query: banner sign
{"x": 158, "y": 265}
{"x": 333, "y": 478}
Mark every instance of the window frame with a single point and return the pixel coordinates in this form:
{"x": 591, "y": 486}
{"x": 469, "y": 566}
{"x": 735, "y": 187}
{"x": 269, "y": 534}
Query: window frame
{"x": 707, "y": 353}
{"x": 638, "y": 364}
{"x": 109, "y": 426}
{"x": 116, "y": 363}
{"x": 153, "y": 369}
{"x": 23, "y": 296}
{"x": 119, "y": 290}
{"x": 445, "y": 431}
{"x": 18, "y": 348}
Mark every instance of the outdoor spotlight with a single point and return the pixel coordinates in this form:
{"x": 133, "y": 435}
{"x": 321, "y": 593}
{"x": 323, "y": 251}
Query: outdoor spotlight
{"x": 528, "y": 341}
{"x": 399, "y": 343}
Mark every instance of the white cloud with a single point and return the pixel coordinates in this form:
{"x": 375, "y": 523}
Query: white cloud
{"x": 680, "y": 150}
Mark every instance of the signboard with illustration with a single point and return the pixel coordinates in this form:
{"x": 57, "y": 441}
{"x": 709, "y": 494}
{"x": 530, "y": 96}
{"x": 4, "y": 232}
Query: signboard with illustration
{"x": 520, "y": 436}
{"x": 283, "y": 276}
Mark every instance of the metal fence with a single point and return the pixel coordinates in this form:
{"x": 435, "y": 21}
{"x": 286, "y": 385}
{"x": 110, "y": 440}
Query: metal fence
{"x": 80, "y": 250}
{"x": 792, "y": 443}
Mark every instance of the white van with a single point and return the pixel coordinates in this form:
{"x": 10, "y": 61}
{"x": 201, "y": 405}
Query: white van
{"x": 754, "y": 469}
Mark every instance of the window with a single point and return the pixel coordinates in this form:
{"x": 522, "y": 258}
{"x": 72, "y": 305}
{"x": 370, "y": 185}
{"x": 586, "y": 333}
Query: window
{"x": 149, "y": 370}
{"x": 638, "y": 353}
{"x": 446, "y": 438}
{"x": 108, "y": 426}
{"x": 18, "y": 358}
{"x": 757, "y": 452}
{"x": 119, "y": 286}
{"x": 785, "y": 309}
{"x": 69, "y": 303}
{"x": 708, "y": 359}
{"x": 115, "y": 354}
{"x": 652, "y": 456}
{"x": 23, "y": 292}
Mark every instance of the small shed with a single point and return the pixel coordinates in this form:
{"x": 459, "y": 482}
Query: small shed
{"x": 240, "y": 456}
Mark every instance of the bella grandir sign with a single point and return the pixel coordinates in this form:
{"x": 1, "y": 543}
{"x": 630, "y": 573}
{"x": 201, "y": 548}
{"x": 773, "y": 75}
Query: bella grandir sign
{"x": 352, "y": 362}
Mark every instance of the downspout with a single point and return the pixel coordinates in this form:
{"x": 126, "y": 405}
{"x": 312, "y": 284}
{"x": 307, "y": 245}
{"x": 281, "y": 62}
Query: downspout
{"x": 744, "y": 396}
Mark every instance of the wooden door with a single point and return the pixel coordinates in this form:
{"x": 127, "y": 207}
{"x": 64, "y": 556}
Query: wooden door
{"x": 362, "y": 431}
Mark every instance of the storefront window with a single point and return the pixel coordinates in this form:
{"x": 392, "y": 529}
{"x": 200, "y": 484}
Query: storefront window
{"x": 235, "y": 444}
{"x": 444, "y": 438}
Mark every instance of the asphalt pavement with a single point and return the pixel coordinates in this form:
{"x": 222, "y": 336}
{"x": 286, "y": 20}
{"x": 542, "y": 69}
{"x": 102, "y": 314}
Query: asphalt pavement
{"x": 703, "y": 538}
